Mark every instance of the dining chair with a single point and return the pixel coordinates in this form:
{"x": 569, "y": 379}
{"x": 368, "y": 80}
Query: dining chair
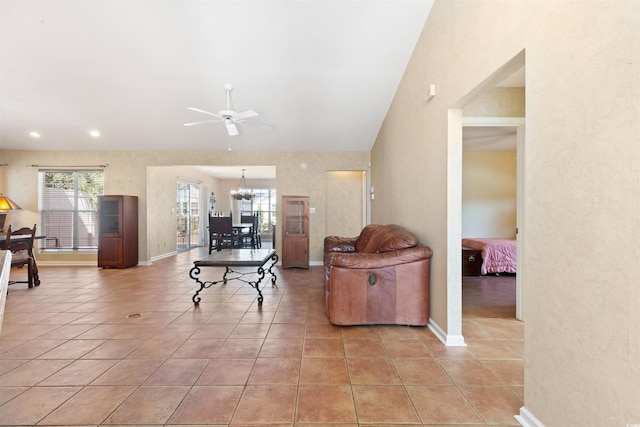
{"x": 20, "y": 243}
{"x": 255, "y": 239}
{"x": 247, "y": 236}
{"x": 220, "y": 233}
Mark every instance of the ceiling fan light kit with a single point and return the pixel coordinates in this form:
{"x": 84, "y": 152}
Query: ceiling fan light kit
{"x": 230, "y": 117}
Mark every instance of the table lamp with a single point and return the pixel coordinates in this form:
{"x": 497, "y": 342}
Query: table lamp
{"x": 6, "y": 204}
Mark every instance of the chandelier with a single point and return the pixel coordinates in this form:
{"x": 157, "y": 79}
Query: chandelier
{"x": 242, "y": 192}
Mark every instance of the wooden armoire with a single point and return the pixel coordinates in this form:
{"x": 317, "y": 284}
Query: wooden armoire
{"x": 118, "y": 231}
{"x": 295, "y": 231}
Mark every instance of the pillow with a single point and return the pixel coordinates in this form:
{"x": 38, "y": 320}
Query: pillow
{"x": 397, "y": 238}
{"x": 365, "y": 237}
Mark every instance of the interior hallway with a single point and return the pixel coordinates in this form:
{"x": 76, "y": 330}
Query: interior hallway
{"x": 127, "y": 347}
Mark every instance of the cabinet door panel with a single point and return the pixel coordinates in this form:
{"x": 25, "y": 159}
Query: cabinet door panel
{"x": 110, "y": 252}
{"x": 295, "y": 252}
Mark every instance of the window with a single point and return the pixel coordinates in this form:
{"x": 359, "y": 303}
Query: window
{"x": 68, "y": 202}
{"x": 264, "y": 203}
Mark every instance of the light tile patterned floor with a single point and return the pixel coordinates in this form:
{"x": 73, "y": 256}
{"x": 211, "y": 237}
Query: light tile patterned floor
{"x": 71, "y": 353}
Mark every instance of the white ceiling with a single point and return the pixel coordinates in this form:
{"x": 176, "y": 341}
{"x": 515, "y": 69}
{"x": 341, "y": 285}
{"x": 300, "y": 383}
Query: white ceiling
{"x": 489, "y": 138}
{"x": 322, "y": 73}
{"x": 235, "y": 172}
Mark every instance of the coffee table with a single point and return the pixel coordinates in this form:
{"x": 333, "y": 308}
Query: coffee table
{"x": 236, "y": 258}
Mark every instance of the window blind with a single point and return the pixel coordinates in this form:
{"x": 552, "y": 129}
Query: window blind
{"x": 68, "y": 207}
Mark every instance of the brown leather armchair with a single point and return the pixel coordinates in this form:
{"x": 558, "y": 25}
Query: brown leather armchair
{"x": 379, "y": 277}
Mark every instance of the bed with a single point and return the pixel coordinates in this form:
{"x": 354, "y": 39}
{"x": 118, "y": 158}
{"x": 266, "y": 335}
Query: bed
{"x": 498, "y": 255}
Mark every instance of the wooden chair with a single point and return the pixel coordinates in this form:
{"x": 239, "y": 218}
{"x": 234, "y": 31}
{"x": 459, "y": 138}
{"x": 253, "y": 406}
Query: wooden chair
{"x": 22, "y": 251}
{"x": 255, "y": 238}
{"x": 246, "y": 236}
{"x": 220, "y": 233}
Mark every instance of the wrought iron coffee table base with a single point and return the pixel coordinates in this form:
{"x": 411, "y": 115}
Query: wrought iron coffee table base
{"x": 236, "y": 258}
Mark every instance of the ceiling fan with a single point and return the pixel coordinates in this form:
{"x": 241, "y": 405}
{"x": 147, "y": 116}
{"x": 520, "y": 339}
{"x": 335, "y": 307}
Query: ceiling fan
{"x": 228, "y": 116}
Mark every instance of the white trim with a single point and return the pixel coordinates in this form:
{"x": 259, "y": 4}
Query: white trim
{"x": 448, "y": 340}
{"x": 316, "y": 263}
{"x": 93, "y": 263}
{"x": 454, "y": 227}
{"x": 527, "y": 419}
{"x": 80, "y": 263}
{"x": 492, "y": 121}
{"x": 159, "y": 257}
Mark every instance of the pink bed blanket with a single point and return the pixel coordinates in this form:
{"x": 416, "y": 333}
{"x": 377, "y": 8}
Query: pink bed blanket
{"x": 498, "y": 255}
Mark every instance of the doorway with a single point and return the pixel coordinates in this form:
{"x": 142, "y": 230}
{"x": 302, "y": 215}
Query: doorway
{"x": 499, "y": 139}
{"x": 187, "y": 216}
{"x": 453, "y": 335}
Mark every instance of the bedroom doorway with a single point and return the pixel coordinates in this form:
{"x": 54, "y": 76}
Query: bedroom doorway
{"x": 456, "y": 117}
{"x": 493, "y": 149}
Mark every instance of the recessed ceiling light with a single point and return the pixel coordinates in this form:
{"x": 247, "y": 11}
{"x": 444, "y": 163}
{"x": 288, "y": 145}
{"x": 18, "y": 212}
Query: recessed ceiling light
{"x": 34, "y": 134}
{"x": 94, "y": 133}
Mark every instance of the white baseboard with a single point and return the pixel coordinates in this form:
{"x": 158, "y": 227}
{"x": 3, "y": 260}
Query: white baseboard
{"x": 156, "y": 258}
{"x": 527, "y": 419}
{"x": 448, "y": 340}
{"x": 93, "y": 263}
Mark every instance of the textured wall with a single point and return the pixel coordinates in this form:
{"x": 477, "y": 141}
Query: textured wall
{"x": 489, "y": 194}
{"x": 581, "y": 165}
{"x": 297, "y": 173}
{"x": 344, "y": 215}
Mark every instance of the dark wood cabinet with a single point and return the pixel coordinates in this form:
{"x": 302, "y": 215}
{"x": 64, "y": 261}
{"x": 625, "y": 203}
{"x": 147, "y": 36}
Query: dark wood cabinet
{"x": 295, "y": 231}
{"x": 118, "y": 231}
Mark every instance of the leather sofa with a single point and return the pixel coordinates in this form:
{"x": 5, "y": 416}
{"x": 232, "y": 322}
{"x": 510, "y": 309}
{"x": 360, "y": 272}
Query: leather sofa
{"x": 378, "y": 277}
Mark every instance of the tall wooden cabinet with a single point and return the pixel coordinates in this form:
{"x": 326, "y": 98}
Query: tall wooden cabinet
{"x": 118, "y": 231}
{"x": 295, "y": 231}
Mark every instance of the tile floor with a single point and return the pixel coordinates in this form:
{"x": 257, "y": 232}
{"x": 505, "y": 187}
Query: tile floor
{"x": 96, "y": 347}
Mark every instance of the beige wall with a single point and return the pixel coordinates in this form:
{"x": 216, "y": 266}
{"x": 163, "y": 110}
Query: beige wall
{"x": 489, "y": 194}
{"x": 580, "y": 270}
{"x": 497, "y": 102}
{"x": 297, "y": 173}
{"x": 161, "y": 204}
{"x": 345, "y": 210}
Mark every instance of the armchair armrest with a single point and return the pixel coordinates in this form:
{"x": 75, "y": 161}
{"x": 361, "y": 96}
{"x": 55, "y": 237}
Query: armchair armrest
{"x": 378, "y": 260}
{"x": 339, "y": 244}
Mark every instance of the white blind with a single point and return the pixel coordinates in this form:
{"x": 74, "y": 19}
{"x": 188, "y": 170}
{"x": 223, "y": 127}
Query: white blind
{"x": 68, "y": 205}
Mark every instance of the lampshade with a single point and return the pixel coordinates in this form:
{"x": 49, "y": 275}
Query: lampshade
{"x": 6, "y": 204}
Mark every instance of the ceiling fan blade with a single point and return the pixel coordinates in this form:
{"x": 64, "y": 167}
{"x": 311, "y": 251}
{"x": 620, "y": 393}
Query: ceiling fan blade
{"x": 260, "y": 125}
{"x": 199, "y": 123}
{"x": 205, "y": 112}
{"x": 232, "y": 130}
{"x": 245, "y": 115}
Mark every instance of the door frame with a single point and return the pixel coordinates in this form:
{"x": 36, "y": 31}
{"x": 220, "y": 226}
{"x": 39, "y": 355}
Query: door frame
{"x": 519, "y": 124}
{"x": 189, "y": 221}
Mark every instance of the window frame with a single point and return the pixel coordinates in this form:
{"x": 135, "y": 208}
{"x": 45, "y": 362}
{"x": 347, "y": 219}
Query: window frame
{"x": 80, "y": 232}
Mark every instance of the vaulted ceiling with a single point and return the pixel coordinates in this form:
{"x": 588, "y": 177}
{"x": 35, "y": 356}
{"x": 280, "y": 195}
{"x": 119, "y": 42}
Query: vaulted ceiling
{"x": 320, "y": 74}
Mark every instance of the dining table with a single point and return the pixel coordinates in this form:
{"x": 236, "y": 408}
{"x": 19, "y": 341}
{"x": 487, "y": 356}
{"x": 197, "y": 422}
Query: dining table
{"x": 240, "y": 230}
